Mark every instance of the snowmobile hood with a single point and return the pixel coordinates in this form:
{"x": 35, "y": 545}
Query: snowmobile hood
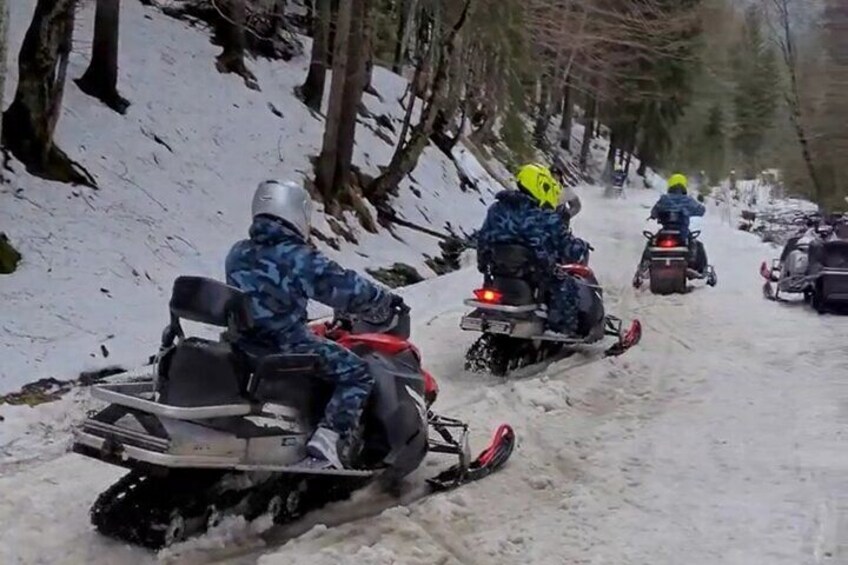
{"x": 266, "y": 230}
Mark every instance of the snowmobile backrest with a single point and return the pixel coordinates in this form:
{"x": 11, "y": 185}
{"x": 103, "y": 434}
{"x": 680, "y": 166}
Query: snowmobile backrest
{"x": 670, "y": 218}
{"x": 511, "y": 260}
{"x": 212, "y": 302}
{"x": 834, "y": 254}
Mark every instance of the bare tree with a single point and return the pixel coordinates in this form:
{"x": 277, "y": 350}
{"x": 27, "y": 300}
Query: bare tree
{"x": 101, "y": 78}
{"x": 312, "y": 90}
{"x": 29, "y": 122}
{"x": 406, "y": 15}
{"x": 230, "y": 33}
{"x": 409, "y": 150}
{"x": 4, "y": 31}
{"x": 326, "y": 166}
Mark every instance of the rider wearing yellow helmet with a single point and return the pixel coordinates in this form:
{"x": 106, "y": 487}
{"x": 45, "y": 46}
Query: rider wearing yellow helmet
{"x": 527, "y": 217}
{"x": 673, "y": 211}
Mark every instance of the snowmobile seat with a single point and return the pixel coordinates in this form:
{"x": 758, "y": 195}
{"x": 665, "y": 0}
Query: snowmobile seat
{"x": 290, "y": 379}
{"x": 208, "y": 301}
{"x": 199, "y": 372}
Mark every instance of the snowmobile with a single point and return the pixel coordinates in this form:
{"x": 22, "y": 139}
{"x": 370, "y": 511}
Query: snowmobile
{"x": 814, "y": 264}
{"x": 669, "y": 267}
{"x": 510, "y": 312}
{"x": 219, "y": 427}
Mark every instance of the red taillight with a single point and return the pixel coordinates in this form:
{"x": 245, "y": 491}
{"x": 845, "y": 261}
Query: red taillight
{"x": 488, "y": 295}
{"x": 668, "y": 242}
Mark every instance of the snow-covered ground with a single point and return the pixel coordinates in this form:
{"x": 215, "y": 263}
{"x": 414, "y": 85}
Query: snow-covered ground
{"x": 176, "y": 175}
{"x": 719, "y": 440}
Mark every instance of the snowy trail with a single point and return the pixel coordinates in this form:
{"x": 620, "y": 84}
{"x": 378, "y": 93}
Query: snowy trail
{"x": 719, "y": 440}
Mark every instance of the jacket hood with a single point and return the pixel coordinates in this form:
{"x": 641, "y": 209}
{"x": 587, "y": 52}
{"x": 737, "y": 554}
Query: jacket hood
{"x": 271, "y": 231}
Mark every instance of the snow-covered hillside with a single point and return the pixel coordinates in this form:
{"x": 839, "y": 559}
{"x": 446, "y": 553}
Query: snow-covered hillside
{"x": 176, "y": 175}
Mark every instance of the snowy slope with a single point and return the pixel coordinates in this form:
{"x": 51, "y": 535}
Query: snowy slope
{"x": 719, "y": 440}
{"x": 176, "y": 175}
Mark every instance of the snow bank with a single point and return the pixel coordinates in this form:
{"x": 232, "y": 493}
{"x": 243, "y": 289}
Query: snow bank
{"x": 176, "y": 175}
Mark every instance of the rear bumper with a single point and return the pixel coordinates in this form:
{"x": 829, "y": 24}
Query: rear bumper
{"x": 506, "y": 308}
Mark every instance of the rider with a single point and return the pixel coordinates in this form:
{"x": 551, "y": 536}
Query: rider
{"x": 619, "y": 177}
{"x": 280, "y": 271}
{"x": 673, "y": 211}
{"x": 527, "y": 216}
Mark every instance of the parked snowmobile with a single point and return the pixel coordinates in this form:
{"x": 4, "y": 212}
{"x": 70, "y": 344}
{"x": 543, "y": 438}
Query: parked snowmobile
{"x": 814, "y": 264}
{"x": 670, "y": 263}
{"x": 219, "y": 429}
{"x": 511, "y": 313}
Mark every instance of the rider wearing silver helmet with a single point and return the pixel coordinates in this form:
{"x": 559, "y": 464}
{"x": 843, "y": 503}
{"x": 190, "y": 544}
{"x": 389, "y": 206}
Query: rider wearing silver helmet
{"x": 280, "y": 271}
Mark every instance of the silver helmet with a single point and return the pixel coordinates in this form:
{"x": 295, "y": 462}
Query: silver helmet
{"x": 288, "y": 201}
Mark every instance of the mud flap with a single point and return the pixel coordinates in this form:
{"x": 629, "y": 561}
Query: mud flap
{"x": 626, "y": 340}
{"x": 490, "y": 460}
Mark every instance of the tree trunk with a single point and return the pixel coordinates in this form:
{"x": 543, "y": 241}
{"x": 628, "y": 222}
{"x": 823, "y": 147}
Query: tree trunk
{"x": 407, "y": 154}
{"x": 4, "y": 29}
{"x": 543, "y": 114}
{"x": 230, "y": 33}
{"x": 312, "y": 91}
{"x": 567, "y": 118}
{"x": 408, "y": 8}
{"x": 310, "y": 16}
{"x": 589, "y": 126}
{"x": 356, "y": 74}
{"x": 100, "y": 80}
{"x": 329, "y": 150}
{"x": 30, "y": 120}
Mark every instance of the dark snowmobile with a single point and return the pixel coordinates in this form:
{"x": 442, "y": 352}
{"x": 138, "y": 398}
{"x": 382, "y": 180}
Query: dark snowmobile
{"x": 218, "y": 429}
{"x": 814, "y": 264}
{"x": 511, "y": 313}
{"x": 670, "y": 262}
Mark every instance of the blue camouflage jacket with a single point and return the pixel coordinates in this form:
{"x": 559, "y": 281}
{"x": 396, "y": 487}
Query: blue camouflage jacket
{"x": 280, "y": 272}
{"x": 682, "y": 204}
{"x": 517, "y": 218}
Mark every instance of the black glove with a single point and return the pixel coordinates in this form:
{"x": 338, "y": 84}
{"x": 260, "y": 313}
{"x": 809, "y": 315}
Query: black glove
{"x": 397, "y": 304}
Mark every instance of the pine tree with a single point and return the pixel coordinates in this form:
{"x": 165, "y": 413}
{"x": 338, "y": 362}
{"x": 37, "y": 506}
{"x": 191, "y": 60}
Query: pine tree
{"x": 755, "y": 93}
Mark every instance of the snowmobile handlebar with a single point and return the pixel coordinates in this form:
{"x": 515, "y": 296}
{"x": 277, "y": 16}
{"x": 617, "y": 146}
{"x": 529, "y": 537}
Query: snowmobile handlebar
{"x": 397, "y": 324}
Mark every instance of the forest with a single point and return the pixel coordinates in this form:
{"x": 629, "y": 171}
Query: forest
{"x": 708, "y": 87}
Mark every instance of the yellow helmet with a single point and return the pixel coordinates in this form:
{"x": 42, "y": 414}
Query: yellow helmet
{"x": 537, "y": 181}
{"x": 678, "y": 180}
